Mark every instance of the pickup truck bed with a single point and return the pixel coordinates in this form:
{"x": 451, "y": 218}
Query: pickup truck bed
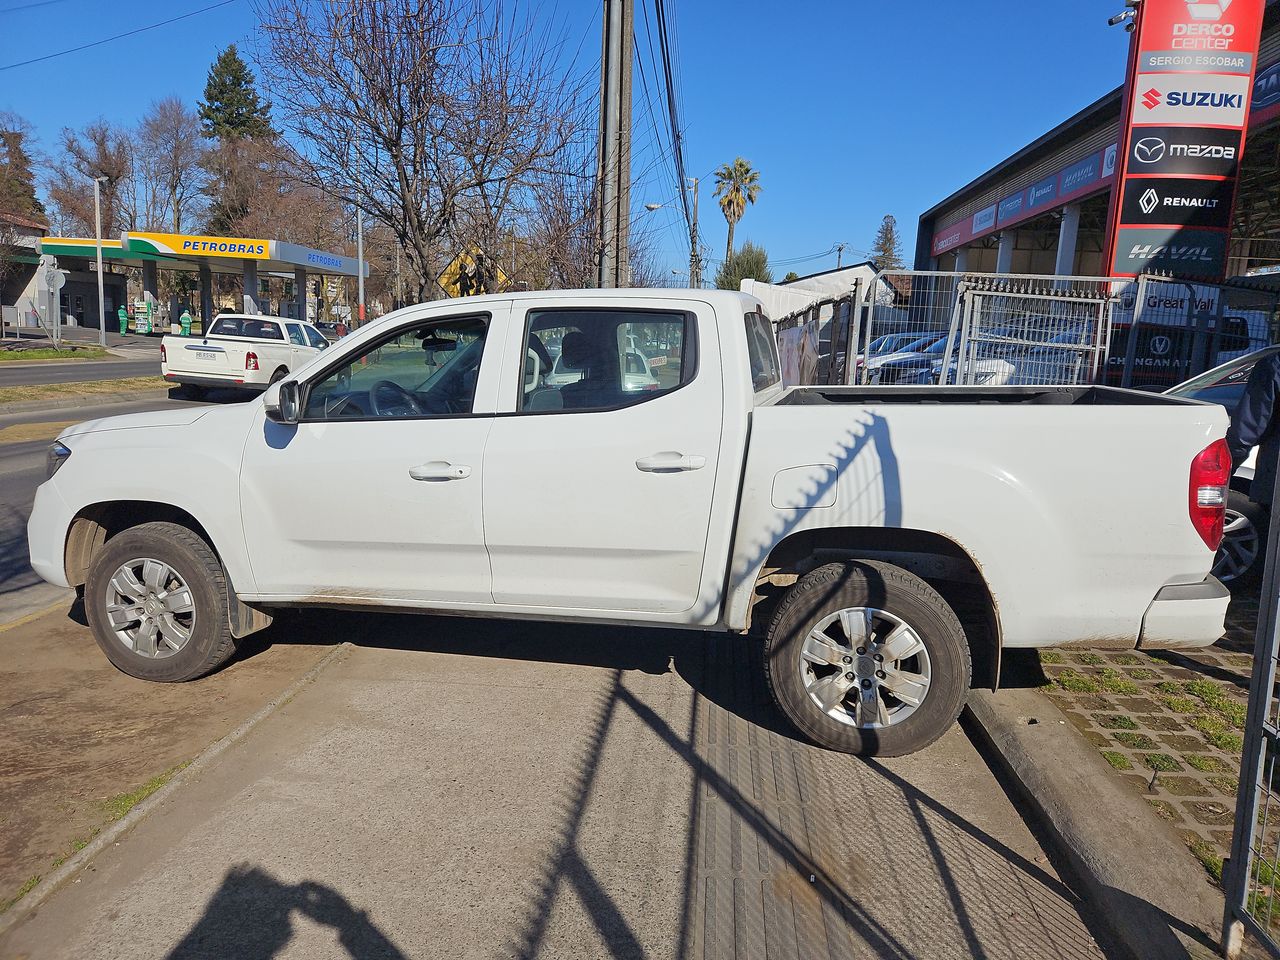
{"x": 887, "y": 543}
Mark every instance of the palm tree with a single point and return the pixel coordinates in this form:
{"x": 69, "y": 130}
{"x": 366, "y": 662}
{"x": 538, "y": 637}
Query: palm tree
{"x": 736, "y": 186}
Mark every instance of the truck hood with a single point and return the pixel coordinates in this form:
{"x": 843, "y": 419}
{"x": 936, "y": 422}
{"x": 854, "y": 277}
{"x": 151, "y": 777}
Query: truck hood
{"x": 155, "y": 418}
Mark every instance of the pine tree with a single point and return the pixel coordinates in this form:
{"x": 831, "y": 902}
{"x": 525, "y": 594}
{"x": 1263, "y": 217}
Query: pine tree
{"x": 17, "y": 182}
{"x": 231, "y": 107}
{"x": 748, "y": 263}
{"x": 886, "y": 251}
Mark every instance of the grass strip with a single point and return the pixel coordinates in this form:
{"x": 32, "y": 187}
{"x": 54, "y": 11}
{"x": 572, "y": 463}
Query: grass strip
{"x": 86, "y": 388}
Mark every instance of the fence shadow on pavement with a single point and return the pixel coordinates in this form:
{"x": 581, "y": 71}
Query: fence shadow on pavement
{"x": 251, "y": 917}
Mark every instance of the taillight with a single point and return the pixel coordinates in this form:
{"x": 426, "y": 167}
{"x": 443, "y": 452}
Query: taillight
{"x": 1207, "y": 491}
{"x": 251, "y": 361}
{"x": 163, "y": 355}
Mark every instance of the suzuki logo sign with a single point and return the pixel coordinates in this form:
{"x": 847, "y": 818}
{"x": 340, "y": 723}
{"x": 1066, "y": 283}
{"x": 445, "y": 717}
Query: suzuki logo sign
{"x": 1152, "y": 99}
{"x": 1149, "y": 200}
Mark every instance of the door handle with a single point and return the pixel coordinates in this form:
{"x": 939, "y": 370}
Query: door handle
{"x": 440, "y": 470}
{"x": 670, "y": 461}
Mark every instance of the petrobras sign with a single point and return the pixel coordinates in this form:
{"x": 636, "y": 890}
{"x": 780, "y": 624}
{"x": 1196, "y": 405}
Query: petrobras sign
{"x": 1199, "y": 99}
{"x": 984, "y": 220}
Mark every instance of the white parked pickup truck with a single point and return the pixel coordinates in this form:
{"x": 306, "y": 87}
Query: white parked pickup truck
{"x": 244, "y": 351}
{"x": 886, "y": 542}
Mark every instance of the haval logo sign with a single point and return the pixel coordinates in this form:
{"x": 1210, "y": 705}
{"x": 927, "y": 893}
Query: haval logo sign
{"x": 1207, "y": 11}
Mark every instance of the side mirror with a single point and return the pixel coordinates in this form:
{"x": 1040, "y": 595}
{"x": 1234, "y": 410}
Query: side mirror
{"x": 284, "y": 402}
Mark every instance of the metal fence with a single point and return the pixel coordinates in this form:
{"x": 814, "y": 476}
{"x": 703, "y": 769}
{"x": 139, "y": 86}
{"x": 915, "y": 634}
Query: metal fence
{"x": 928, "y": 327}
{"x": 1164, "y": 331}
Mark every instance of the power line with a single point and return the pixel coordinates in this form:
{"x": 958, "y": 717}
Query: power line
{"x": 31, "y": 6}
{"x": 118, "y": 36}
{"x": 673, "y": 112}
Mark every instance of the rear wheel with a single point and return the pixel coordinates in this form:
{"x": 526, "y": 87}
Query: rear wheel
{"x": 156, "y": 600}
{"x": 279, "y": 375}
{"x": 1244, "y": 530}
{"x": 866, "y": 658}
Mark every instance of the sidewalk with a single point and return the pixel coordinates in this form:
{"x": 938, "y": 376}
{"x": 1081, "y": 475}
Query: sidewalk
{"x": 472, "y": 788}
{"x": 1171, "y": 724}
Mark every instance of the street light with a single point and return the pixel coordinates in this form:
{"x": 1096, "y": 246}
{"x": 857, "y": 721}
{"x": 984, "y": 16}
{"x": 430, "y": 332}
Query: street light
{"x": 102, "y": 305}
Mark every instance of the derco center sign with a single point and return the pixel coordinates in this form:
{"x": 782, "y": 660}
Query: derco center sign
{"x": 1188, "y": 91}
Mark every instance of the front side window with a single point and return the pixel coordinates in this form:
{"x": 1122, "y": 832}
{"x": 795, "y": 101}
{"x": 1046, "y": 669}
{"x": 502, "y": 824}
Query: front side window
{"x": 424, "y": 371}
{"x": 316, "y": 338}
{"x": 603, "y": 359}
{"x": 295, "y": 334}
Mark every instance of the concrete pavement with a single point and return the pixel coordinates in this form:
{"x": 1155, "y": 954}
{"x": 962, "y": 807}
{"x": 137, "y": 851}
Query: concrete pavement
{"x": 473, "y": 788}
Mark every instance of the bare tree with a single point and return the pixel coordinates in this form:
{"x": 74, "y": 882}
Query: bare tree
{"x": 100, "y": 150}
{"x": 433, "y": 116}
{"x": 169, "y": 165}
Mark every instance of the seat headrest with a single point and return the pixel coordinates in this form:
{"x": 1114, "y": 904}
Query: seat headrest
{"x": 575, "y": 350}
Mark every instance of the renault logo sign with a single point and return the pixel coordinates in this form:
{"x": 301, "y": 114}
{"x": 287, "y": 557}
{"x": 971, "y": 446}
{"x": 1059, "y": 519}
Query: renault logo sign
{"x": 1149, "y": 200}
{"x": 1149, "y": 150}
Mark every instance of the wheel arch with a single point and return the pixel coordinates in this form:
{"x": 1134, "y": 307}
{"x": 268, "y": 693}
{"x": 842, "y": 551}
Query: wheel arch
{"x": 939, "y": 561}
{"x": 97, "y": 523}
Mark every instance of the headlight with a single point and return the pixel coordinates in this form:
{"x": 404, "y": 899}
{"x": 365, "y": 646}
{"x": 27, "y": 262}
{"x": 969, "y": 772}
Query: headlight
{"x": 55, "y": 457}
{"x": 982, "y": 378}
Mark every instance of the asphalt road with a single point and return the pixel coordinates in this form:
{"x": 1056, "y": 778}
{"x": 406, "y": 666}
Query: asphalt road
{"x": 22, "y": 469}
{"x": 16, "y": 374}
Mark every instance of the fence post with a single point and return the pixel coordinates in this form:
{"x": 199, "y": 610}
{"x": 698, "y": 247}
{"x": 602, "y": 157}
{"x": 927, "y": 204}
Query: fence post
{"x": 1131, "y": 348}
{"x": 961, "y": 303}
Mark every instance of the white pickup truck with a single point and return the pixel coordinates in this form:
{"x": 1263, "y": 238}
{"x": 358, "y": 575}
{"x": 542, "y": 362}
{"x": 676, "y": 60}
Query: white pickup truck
{"x": 241, "y": 350}
{"x": 887, "y": 542}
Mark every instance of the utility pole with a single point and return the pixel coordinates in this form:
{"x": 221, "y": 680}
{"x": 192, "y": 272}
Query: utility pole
{"x": 839, "y": 255}
{"x": 613, "y": 168}
{"x": 360, "y": 262}
{"x": 695, "y": 255}
{"x": 102, "y": 305}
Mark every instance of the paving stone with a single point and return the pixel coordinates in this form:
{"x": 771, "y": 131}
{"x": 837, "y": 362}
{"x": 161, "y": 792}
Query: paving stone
{"x": 1137, "y": 704}
{"x": 1099, "y": 740}
{"x": 1182, "y": 786}
{"x": 1183, "y": 742}
{"x": 1162, "y": 723}
{"x": 1222, "y": 838}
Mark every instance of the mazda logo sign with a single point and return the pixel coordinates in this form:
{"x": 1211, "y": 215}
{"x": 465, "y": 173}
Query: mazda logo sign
{"x": 1148, "y": 150}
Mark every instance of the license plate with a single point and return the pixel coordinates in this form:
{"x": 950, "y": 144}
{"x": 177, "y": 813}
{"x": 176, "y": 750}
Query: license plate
{"x": 206, "y": 355}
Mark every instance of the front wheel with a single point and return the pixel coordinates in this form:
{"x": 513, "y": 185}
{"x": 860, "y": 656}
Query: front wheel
{"x": 866, "y": 658}
{"x": 156, "y": 600}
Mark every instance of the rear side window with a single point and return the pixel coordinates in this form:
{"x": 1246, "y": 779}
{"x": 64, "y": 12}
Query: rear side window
{"x": 581, "y": 360}
{"x": 226, "y": 327}
{"x": 762, "y": 351}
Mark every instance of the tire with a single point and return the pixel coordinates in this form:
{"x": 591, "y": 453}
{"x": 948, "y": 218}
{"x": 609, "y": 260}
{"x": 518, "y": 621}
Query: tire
{"x": 932, "y": 648}
{"x": 1242, "y": 554}
{"x": 188, "y": 561}
{"x": 279, "y": 375}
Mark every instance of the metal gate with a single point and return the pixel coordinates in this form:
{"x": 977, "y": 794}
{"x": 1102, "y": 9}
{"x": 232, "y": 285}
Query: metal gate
{"x": 928, "y": 327}
{"x": 813, "y": 343}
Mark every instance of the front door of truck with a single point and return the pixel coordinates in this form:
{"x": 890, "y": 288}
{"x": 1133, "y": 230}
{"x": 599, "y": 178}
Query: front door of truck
{"x": 376, "y": 492}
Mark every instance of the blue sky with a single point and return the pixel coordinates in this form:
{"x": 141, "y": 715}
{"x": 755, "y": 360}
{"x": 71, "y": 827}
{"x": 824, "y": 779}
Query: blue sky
{"x": 850, "y": 109}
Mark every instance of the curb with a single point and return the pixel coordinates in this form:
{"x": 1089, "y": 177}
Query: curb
{"x": 112, "y": 832}
{"x": 1131, "y": 867}
{"x": 84, "y": 399}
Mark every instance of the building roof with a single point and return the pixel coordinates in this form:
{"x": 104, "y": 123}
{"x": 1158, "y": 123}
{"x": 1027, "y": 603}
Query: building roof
{"x": 1105, "y": 108}
{"x": 18, "y": 220}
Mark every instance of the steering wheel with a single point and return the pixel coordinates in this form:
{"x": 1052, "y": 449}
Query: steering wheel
{"x": 381, "y": 408}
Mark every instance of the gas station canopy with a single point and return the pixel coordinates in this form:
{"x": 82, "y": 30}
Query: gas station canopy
{"x": 179, "y": 251}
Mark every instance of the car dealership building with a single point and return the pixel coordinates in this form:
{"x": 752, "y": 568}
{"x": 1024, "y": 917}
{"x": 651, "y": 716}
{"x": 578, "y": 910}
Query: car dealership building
{"x": 1044, "y": 210}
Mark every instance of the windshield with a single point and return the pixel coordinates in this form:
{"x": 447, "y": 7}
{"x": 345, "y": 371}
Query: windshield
{"x": 1224, "y": 384}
